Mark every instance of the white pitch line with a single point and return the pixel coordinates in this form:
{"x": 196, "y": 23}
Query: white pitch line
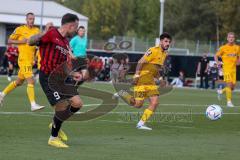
{"x": 163, "y": 104}
{"x": 156, "y": 113}
{"x": 124, "y": 104}
{"x": 121, "y": 104}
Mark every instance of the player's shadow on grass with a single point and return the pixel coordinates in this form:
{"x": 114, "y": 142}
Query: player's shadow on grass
{"x": 107, "y": 105}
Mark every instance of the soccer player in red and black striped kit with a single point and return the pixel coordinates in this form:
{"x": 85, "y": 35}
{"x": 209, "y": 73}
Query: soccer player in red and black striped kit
{"x": 12, "y": 55}
{"x": 54, "y": 51}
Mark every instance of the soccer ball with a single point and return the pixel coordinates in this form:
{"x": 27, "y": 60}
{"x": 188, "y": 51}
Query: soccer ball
{"x": 214, "y": 112}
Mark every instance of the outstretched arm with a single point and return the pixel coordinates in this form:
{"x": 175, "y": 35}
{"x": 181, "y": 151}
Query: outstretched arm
{"x": 12, "y": 41}
{"x": 34, "y": 40}
{"x": 218, "y": 55}
{"x": 139, "y": 66}
{"x": 216, "y": 58}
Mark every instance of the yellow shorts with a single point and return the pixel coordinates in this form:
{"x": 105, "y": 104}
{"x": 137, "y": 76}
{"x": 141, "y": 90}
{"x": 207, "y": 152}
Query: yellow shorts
{"x": 25, "y": 71}
{"x": 230, "y": 77}
{"x": 142, "y": 92}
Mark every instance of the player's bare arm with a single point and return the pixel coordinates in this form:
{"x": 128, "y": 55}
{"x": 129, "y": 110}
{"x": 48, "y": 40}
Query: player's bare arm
{"x": 207, "y": 68}
{"x": 238, "y": 61}
{"x": 216, "y": 59}
{"x": 81, "y": 75}
{"x": 198, "y": 68}
{"x": 13, "y": 41}
{"x": 7, "y": 54}
{"x": 35, "y": 39}
{"x": 138, "y": 69}
{"x": 139, "y": 65}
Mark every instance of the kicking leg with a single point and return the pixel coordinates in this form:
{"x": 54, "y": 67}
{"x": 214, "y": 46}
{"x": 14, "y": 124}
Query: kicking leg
{"x": 10, "y": 87}
{"x": 154, "y": 100}
{"x": 63, "y": 111}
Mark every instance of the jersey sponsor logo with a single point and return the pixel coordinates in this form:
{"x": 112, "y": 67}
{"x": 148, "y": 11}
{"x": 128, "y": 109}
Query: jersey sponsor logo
{"x": 232, "y": 55}
{"x": 62, "y": 50}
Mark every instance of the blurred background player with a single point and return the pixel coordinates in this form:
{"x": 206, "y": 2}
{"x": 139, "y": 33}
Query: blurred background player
{"x": 229, "y": 53}
{"x": 79, "y": 43}
{"x": 214, "y": 74}
{"x": 202, "y": 71}
{"x": 12, "y": 55}
{"x": 179, "y": 81}
{"x": 25, "y": 60}
{"x": 147, "y": 70}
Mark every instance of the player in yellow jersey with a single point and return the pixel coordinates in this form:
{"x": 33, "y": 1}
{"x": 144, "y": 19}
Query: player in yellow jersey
{"x": 147, "y": 71}
{"x": 229, "y": 53}
{"x": 25, "y": 60}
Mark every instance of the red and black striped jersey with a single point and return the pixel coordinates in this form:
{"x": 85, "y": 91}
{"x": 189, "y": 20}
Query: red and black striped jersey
{"x": 53, "y": 50}
{"x": 12, "y": 53}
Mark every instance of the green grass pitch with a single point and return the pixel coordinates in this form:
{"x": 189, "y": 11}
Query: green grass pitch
{"x": 180, "y": 130}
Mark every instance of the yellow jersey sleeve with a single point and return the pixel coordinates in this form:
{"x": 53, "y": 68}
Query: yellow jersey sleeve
{"x": 149, "y": 55}
{"x": 16, "y": 34}
{"x": 238, "y": 54}
{"x": 220, "y": 51}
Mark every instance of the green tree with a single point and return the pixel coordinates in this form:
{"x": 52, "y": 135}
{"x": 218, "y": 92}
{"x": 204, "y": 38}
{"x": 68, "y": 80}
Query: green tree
{"x": 190, "y": 19}
{"x": 147, "y": 18}
{"x": 228, "y": 13}
{"x": 184, "y": 19}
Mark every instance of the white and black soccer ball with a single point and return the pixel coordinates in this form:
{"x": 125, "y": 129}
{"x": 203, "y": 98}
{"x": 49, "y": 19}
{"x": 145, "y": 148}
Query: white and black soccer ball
{"x": 214, "y": 112}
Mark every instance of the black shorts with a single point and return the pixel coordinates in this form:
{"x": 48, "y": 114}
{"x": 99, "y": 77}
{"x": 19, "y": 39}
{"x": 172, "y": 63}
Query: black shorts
{"x": 221, "y": 78}
{"x": 56, "y": 95}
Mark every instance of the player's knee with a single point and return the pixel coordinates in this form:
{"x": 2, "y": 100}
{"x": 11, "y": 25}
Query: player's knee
{"x": 30, "y": 81}
{"x": 19, "y": 82}
{"x": 76, "y": 103}
{"x": 154, "y": 103}
{"x": 138, "y": 104}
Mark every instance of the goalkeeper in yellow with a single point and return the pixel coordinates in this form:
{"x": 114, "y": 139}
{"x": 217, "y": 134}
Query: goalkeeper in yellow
{"x": 25, "y": 60}
{"x": 147, "y": 71}
{"x": 229, "y": 53}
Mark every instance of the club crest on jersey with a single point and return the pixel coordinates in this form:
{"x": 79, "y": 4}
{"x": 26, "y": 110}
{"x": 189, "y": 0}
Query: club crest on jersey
{"x": 62, "y": 50}
{"x": 148, "y": 52}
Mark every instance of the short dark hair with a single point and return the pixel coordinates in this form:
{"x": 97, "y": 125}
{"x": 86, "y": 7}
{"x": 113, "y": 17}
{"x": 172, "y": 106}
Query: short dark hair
{"x": 165, "y": 35}
{"x": 68, "y": 18}
{"x": 80, "y": 27}
{"x": 29, "y": 13}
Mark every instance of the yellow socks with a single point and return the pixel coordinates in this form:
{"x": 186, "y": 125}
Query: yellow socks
{"x": 30, "y": 93}
{"x": 146, "y": 115}
{"x": 9, "y": 88}
{"x": 228, "y": 93}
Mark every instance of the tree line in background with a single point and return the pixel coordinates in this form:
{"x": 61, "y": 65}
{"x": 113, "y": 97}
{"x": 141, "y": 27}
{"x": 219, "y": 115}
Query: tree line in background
{"x": 184, "y": 19}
